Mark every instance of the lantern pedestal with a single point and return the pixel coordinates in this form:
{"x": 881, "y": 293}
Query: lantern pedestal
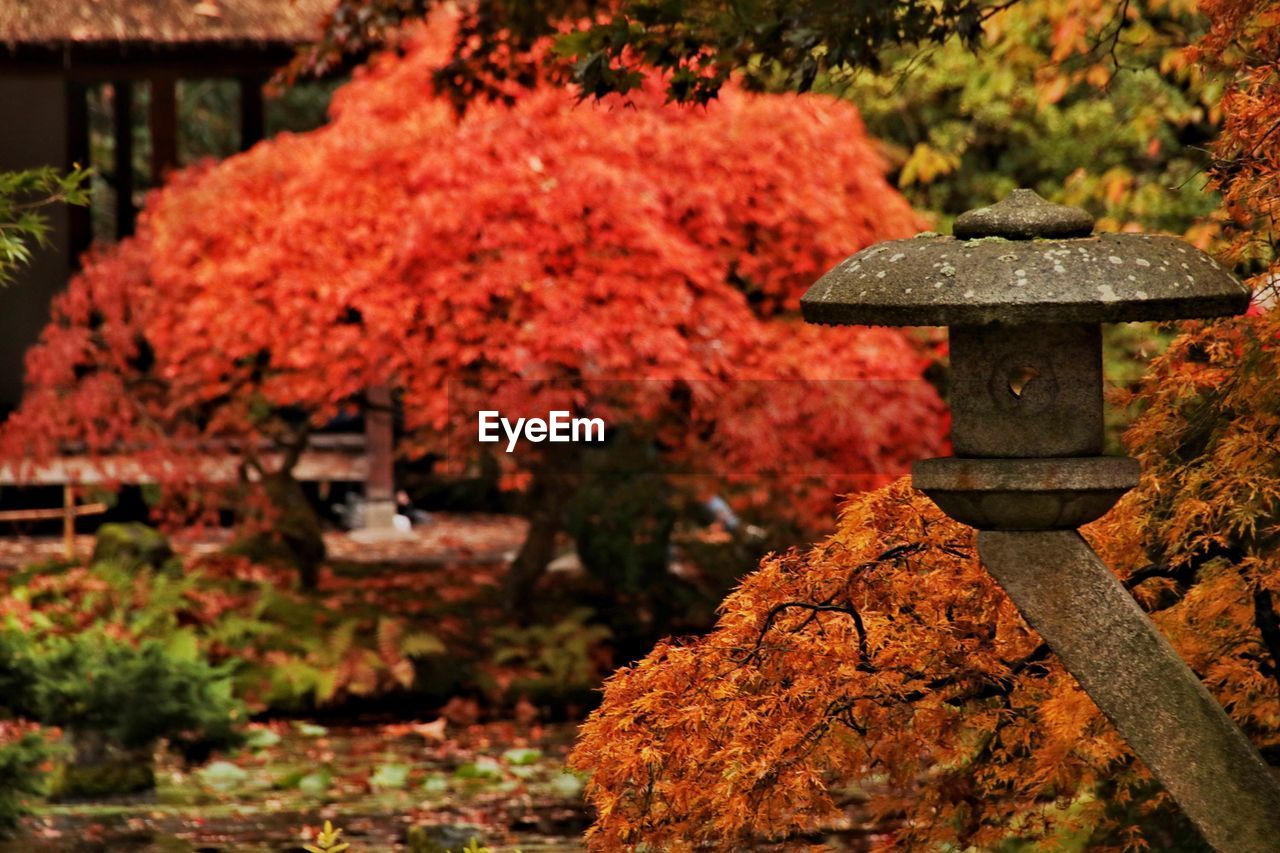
{"x": 1152, "y": 697}
{"x": 1025, "y": 494}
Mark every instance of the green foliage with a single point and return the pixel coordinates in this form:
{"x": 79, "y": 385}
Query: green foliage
{"x": 292, "y": 651}
{"x": 483, "y": 767}
{"x": 114, "y": 698}
{"x": 316, "y": 783}
{"x": 329, "y": 840}
{"x": 699, "y": 42}
{"x": 1127, "y": 349}
{"x": 390, "y": 777}
{"x": 296, "y": 654}
{"x": 1124, "y": 142}
{"x": 130, "y": 695}
{"x": 131, "y": 546}
{"x": 209, "y": 114}
{"x": 22, "y": 753}
{"x": 280, "y": 648}
{"x": 222, "y": 776}
{"x": 559, "y": 659}
{"x": 23, "y": 195}
{"x": 522, "y": 756}
{"x": 120, "y": 597}
{"x": 695, "y": 43}
{"x": 1124, "y": 139}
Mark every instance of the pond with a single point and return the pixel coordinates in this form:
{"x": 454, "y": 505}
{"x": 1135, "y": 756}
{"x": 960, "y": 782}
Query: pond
{"x": 503, "y": 784}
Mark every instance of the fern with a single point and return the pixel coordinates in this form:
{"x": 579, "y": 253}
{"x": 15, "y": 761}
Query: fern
{"x": 341, "y": 640}
{"x": 420, "y": 644}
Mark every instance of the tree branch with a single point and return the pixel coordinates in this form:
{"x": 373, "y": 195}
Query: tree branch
{"x": 814, "y": 609}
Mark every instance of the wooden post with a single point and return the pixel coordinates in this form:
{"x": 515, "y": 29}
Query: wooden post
{"x": 253, "y": 120}
{"x": 122, "y": 119}
{"x": 69, "y": 521}
{"x": 379, "y": 489}
{"x": 164, "y": 128}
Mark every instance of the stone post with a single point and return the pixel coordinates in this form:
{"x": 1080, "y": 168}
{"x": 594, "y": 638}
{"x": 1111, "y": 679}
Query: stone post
{"x": 1024, "y": 286}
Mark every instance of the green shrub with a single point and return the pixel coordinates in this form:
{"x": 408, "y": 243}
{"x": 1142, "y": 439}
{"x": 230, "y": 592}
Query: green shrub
{"x": 560, "y": 660}
{"x": 285, "y": 649}
{"x": 297, "y": 653}
{"x": 132, "y": 546}
{"x": 129, "y": 696}
{"x": 22, "y": 752}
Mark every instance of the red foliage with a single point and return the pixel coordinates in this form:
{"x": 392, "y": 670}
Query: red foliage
{"x": 403, "y": 245}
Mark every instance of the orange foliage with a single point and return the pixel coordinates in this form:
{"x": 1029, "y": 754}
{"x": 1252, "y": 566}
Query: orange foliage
{"x": 1243, "y": 43}
{"x": 886, "y": 657}
{"x": 885, "y": 653}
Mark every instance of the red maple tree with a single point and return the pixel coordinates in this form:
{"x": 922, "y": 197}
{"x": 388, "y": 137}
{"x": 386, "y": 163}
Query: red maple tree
{"x": 526, "y": 251}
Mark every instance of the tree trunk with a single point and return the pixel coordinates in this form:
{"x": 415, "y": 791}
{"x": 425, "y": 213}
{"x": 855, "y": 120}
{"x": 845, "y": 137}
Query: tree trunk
{"x": 297, "y": 526}
{"x": 553, "y": 484}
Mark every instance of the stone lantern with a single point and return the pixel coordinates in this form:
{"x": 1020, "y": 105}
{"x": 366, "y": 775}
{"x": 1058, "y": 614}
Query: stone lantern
{"x": 1024, "y": 286}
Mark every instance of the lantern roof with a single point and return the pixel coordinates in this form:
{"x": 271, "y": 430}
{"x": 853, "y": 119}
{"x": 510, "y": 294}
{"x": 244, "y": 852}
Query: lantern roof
{"x": 1024, "y": 260}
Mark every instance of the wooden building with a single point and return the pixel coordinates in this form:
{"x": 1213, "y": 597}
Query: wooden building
{"x": 52, "y": 52}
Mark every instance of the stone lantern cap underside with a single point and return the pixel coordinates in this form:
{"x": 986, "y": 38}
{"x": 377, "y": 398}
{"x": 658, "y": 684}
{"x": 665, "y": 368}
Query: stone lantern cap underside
{"x": 1003, "y": 271}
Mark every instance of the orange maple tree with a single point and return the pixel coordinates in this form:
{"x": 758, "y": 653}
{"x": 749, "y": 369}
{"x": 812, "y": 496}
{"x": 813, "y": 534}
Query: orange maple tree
{"x": 531, "y": 250}
{"x": 885, "y": 665}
